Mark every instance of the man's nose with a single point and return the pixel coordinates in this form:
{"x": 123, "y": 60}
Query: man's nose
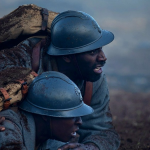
{"x": 78, "y": 120}
{"x": 101, "y": 56}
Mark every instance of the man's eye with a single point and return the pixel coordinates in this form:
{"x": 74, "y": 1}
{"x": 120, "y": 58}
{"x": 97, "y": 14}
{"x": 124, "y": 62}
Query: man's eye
{"x": 94, "y": 52}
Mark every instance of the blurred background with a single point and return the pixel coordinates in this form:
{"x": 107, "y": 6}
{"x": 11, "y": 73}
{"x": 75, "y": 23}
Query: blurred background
{"x": 127, "y": 68}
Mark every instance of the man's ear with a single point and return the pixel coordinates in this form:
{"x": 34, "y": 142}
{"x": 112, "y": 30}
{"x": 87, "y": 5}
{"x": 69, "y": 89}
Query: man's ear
{"x": 67, "y": 58}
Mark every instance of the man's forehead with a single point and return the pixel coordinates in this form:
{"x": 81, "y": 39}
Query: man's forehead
{"x": 100, "y": 48}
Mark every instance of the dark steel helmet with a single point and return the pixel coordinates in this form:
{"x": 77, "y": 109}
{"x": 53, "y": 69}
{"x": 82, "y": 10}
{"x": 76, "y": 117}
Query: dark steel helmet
{"x": 54, "y": 94}
{"x": 76, "y": 32}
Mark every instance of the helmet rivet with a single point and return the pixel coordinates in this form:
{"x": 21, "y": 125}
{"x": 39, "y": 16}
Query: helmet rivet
{"x": 77, "y": 91}
{"x": 81, "y": 98}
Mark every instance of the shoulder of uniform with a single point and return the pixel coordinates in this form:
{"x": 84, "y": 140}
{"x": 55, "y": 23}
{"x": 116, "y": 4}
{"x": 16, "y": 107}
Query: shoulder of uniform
{"x": 9, "y": 113}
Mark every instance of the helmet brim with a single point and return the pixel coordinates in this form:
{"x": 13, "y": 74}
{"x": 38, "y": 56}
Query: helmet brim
{"x": 106, "y": 38}
{"x": 82, "y": 110}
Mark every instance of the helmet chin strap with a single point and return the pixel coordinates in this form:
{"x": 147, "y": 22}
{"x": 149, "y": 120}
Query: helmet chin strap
{"x": 77, "y": 65}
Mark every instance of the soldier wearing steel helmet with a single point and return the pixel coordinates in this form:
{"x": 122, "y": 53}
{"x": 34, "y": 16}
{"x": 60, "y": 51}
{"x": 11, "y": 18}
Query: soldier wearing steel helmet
{"x": 76, "y": 51}
{"x": 76, "y": 44}
{"x": 52, "y": 109}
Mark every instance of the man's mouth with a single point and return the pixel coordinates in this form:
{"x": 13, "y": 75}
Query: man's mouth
{"x": 98, "y": 70}
{"x": 74, "y": 133}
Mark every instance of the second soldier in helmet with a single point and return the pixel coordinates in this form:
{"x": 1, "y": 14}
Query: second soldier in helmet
{"x": 52, "y": 110}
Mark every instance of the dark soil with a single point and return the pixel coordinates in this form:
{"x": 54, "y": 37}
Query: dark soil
{"x": 131, "y": 116}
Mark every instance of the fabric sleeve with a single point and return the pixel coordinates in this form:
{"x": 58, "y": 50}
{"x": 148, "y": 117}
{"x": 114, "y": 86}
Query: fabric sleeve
{"x": 97, "y": 128}
{"x": 12, "y": 137}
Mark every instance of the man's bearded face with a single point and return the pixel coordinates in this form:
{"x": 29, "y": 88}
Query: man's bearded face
{"x": 90, "y": 64}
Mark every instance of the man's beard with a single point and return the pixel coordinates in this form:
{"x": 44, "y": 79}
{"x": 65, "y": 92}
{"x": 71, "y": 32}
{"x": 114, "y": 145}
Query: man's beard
{"x": 91, "y": 76}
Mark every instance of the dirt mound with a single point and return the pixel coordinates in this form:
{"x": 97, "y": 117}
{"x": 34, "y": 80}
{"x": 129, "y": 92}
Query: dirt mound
{"x": 131, "y": 116}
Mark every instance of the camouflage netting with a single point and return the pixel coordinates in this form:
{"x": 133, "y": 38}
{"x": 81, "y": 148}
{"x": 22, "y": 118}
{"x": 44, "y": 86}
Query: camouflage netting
{"x": 15, "y": 64}
{"x": 9, "y": 81}
{"x": 11, "y": 75}
{"x": 19, "y": 56}
{"x": 23, "y": 22}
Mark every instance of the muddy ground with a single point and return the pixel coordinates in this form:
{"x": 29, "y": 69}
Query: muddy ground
{"x": 131, "y": 117}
